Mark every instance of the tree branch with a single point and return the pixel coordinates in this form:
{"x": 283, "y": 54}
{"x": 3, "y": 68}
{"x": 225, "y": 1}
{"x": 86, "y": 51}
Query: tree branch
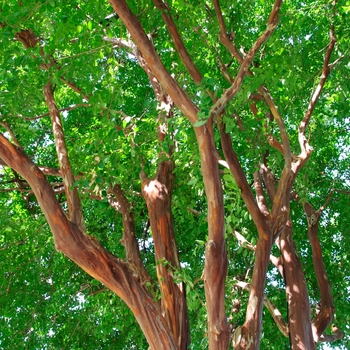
{"x": 224, "y": 38}
{"x": 74, "y": 205}
{"x": 12, "y": 134}
{"x": 326, "y": 314}
{"x": 87, "y": 252}
{"x": 129, "y": 240}
{"x": 305, "y": 147}
{"x": 276, "y": 261}
{"x": 260, "y": 197}
{"x": 337, "y": 334}
{"x": 221, "y": 103}
{"x": 149, "y": 53}
{"x": 242, "y": 183}
{"x": 179, "y": 45}
{"x": 66, "y": 109}
{"x": 275, "y": 313}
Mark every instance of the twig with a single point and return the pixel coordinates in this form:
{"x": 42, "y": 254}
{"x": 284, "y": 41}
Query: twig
{"x": 12, "y": 134}
{"x": 66, "y": 109}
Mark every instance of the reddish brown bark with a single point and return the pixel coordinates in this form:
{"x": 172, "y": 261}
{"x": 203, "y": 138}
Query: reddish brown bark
{"x": 74, "y": 205}
{"x": 326, "y": 313}
{"x": 216, "y": 260}
{"x": 129, "y": 240}
{"x": 158, "y": 193}
{"x": 86, "y": 252}
{"x": 248, "y": 335}
{"x": 149, "y": 53}
{"x": 299, "y": 313}
{"x": 179, "y": 45}
{"x": 215, "y": 268}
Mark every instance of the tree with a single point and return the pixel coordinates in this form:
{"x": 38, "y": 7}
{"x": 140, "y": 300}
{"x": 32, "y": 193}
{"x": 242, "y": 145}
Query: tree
{"x": 213, "y": 135}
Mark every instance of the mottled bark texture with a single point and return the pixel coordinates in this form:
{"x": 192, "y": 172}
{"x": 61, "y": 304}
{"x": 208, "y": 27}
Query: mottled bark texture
{"x": 87, "y": 252}
{"x": 158, "y": 193}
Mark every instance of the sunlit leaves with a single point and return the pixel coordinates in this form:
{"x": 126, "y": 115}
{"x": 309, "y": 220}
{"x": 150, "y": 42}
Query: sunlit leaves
{"x": 46, "y": 299}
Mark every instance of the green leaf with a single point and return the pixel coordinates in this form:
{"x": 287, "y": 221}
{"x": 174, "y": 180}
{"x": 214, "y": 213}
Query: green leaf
{"x": 199, "y": 123}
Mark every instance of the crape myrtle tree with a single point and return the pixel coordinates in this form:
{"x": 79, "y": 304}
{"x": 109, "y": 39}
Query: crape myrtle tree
{"x": 174, "y": 174}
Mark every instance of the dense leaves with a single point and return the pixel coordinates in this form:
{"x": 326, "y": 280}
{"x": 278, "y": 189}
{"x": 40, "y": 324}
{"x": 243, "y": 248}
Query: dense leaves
{"x": 118, "y": 123}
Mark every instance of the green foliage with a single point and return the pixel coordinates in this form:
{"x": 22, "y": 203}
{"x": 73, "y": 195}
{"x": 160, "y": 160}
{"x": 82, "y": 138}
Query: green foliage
{"x": 46, "y": 301}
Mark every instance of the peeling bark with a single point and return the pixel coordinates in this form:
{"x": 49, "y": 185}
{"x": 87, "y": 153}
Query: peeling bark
{"x": 299, "y": 313}
{"x": 158, "y": 193}
{"x": 87, "y": 252}
{"x": 74, "y": 205}
{"x": 129, "y": 240}
{"x": 215, "y": 268}
{"x": 326, "y": 313}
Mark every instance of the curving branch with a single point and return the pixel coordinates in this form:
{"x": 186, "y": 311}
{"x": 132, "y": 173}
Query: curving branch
{"x": 88, "y": 253}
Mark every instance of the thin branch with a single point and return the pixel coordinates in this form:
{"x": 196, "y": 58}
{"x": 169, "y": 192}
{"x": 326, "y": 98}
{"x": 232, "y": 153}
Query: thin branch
{"x": 231, "y": 92}
{"x": 129, "y": 240}
{"x": 19, "y": 189}
{"x": 284, "y": 136}
{"x": 276, "y": 144}
{"x": 306, "y": 149}
{"x": 66, "y": 109}
{"x": 180, "y": 98}
{"x": 15, "y": 243}
{"x": 243, "y": 242}
{"x": 75, "y": 88}
{"x": 242, "y": 183}
{"x": 126, "y": 44}
{"x": 74, "y": 205}
{"x": 275, "y": 313}
{"x": 12, "y": 134}
{"x": 337, "y": 334}
{"x": 179, "y": 45}
{"x": 324, "y": 206}
{"x": 224, "y": 38}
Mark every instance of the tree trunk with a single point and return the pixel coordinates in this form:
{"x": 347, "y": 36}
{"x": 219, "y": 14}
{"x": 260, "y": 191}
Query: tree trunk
{"x": 215, "y": 268}
{"x": 248, "y": 336}
{"x": 299, "y": 318}
{"x": 158, "y": 193}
